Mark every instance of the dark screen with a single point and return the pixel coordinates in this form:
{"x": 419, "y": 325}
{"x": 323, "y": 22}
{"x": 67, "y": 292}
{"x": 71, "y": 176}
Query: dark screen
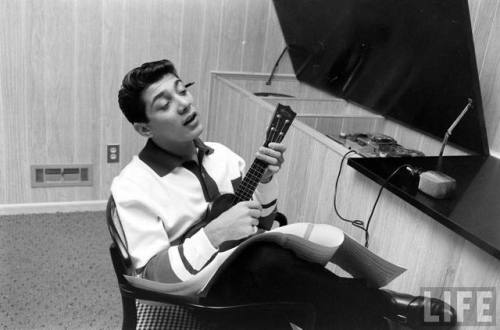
{"x": 409, "y": 60}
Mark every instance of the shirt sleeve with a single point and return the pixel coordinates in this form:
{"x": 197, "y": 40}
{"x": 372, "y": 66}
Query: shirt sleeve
{"x": 145, "y": 236}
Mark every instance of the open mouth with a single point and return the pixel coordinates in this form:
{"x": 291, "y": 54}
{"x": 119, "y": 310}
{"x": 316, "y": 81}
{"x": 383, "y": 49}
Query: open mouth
{"x": 190, "y": 119}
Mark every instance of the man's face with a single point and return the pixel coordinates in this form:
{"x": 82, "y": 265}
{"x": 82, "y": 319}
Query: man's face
{"x": 172, "y": 117}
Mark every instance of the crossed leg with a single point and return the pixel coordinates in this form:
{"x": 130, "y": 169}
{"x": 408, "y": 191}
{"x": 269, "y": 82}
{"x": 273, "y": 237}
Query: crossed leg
{"x": 322, "y": 243}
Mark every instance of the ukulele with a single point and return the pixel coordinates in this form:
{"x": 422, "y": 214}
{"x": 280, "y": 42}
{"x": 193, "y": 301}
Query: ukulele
{"x": 280, "y": 122}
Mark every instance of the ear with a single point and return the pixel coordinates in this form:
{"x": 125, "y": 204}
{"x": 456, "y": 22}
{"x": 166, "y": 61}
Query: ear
{"x": 143, "y": 129}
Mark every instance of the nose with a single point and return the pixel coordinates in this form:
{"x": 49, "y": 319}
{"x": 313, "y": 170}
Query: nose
{"x": 183, "y": 104}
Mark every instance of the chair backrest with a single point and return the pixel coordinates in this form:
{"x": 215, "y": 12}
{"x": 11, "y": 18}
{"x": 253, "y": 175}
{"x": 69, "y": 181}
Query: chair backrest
{"x": 118, "y": 249}
{"x": 116, "y": 231}
{"x": 121, "y": 264}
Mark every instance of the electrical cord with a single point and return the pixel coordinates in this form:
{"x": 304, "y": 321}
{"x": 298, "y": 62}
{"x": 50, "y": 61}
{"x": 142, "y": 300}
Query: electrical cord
{"x": 359, "y": 223}
{"x": 386, "y": 181}
{"x": 356, "y": 223}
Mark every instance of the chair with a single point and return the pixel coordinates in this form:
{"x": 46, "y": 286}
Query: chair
{"x": 186, "y": 309}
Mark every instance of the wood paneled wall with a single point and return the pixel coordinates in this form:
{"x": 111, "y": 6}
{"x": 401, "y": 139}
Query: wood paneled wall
{"x": 61, "y": 64}
{"x": 433, "y": 255}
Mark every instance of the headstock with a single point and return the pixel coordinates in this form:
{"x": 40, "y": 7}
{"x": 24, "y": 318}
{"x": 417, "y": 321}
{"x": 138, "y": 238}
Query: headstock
{"x": 280, "y": 122}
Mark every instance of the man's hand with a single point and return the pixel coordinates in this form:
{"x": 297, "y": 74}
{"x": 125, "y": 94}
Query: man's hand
{"x": 238, "y": 222}
{"x": 273, "y": 155}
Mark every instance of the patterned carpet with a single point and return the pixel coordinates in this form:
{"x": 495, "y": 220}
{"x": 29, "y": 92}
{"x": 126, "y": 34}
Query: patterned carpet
{"x": 56, "y": 273}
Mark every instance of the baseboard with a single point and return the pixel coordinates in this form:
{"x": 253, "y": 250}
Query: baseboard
{"x": 65, "y": 207}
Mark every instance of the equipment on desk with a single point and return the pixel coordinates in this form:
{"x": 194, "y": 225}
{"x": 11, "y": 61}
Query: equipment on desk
{"x": 374, "y": 145}
{"x": 370, "y": 144}
{"x": 434, "y": 182}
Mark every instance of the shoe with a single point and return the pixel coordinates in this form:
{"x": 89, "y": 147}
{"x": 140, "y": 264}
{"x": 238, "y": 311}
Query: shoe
{"x": 420, "y": 312}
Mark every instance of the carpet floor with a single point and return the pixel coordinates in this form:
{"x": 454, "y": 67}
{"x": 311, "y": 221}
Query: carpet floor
{"x": 56, "y": 273}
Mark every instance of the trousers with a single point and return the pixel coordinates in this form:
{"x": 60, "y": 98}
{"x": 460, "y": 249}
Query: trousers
{"x": 269, "y": 272}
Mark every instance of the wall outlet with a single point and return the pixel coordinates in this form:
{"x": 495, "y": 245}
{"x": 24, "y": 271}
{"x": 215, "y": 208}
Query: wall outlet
{"x": 113, "y": 153}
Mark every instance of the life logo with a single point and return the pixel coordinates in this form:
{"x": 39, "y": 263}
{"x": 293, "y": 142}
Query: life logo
{"x": 474, "y": 306}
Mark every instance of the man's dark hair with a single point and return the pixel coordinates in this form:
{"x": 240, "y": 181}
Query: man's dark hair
{"x": 135, "y": 82}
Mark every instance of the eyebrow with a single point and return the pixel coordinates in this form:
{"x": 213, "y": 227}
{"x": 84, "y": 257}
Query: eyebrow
{"x": 166, "y": 94}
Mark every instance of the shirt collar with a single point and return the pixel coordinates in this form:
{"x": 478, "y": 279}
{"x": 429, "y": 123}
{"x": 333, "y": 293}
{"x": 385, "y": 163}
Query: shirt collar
{"x": 163, "y": 161}
{"x": 203, "y": 147}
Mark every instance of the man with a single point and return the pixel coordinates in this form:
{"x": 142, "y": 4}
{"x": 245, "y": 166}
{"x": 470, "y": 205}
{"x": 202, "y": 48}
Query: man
{"x": 169, "y": 187}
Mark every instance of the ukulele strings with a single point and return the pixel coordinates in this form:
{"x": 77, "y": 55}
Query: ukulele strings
{"x": 276, "y": 134}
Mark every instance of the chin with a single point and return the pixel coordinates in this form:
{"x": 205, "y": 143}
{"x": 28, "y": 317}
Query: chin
{"x": 197, "y": 131}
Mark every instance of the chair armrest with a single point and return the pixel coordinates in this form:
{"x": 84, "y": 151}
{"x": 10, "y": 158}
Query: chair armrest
{"x": 156, "y": 291}
{"x": 162, "y": 292}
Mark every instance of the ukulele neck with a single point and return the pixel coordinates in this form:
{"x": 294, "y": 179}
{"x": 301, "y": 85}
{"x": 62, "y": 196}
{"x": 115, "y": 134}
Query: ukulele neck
{"x": 280, "y": 122}
{"x": 252, "y": 178}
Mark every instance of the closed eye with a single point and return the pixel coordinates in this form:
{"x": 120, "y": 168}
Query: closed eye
{"x": 164, "y": 107}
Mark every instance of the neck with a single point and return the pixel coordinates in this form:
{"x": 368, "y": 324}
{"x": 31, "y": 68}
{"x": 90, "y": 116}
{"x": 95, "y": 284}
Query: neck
{"x": 186, "y": 150}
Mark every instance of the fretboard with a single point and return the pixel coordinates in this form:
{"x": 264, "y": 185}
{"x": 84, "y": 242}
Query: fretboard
{"x": 280, "y": 122}
{"x": 247, "y": 187}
